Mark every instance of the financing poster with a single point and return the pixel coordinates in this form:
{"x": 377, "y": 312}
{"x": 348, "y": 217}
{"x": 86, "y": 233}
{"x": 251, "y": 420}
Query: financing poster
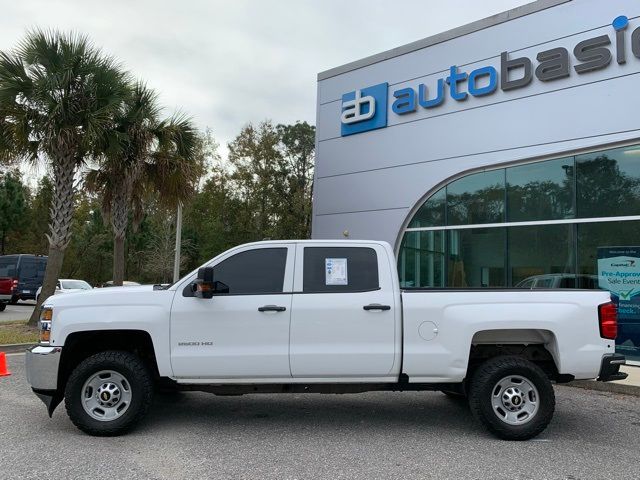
{"x": 619, "y": 272}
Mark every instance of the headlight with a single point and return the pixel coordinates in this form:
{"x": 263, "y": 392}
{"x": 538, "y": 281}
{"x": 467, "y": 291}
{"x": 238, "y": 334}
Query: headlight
{"x": 46, "y": 315}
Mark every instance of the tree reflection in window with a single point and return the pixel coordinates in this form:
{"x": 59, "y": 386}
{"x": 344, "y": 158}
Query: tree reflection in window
{"x": 541, "y": 191}
{"x": 609, "y": 183}
{"x": 477, "y": 198}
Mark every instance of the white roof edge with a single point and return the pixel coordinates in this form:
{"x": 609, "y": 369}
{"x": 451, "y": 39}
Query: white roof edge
{"x": 497, "y": 19}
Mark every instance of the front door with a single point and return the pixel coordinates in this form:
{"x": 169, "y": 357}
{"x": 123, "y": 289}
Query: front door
{"x": 243, "y": 333}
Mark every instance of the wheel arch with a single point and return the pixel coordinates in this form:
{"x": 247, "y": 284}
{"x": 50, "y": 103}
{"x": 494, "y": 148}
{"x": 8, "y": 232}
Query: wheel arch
{"x": 81, "y": 345}
{"x": 537, "y": 345}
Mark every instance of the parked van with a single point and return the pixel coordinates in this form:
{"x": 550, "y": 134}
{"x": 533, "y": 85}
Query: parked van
{"x": 20, "y": 277}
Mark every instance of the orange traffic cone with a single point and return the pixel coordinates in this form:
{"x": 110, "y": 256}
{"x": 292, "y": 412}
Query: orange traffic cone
{"x": 4, "y": 371}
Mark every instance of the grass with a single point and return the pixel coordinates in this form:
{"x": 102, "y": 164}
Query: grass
{"x": 17, "y": 332}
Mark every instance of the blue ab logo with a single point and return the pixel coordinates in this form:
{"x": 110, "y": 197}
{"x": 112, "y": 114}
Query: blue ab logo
{"x": 364, "y": 109}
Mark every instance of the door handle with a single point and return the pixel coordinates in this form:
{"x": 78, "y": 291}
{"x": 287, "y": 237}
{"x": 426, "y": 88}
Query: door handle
{"x": 376, "y": 306}
{"x": 271, "y": 308}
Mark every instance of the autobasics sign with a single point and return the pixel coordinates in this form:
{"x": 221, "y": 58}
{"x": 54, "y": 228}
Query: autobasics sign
{"x": 366, "y": 109}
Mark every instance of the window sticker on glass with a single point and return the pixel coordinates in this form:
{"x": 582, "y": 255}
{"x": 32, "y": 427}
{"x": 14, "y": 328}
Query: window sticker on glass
{"x": 335, "y": 271}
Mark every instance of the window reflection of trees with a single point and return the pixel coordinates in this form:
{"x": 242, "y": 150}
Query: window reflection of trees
{"x": 541, "y": 200}
{"x": 604, "y": 189}
{"x": 482, "y": 206}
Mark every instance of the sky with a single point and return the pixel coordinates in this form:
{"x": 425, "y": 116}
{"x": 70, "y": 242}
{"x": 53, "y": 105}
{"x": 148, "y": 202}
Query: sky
{"x": 227, "y": 63}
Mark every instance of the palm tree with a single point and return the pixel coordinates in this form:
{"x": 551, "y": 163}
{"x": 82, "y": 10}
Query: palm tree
{"x": 58, "y": 95}
{"x": 151, "y": 157}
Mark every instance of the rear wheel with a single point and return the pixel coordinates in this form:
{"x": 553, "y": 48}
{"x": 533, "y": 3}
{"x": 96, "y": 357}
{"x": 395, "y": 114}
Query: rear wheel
{"x": 512, "y": 397}
{"x": 13, "y": 300}
{"x": 108, "y": 393}
{"x": 2, "y": 306}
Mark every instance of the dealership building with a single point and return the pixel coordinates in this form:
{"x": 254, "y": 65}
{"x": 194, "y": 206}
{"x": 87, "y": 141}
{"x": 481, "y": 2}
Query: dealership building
{"x": 503, "y": 153}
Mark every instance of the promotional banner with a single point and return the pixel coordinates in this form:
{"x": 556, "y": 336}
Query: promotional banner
{"x": 619, "y": 272}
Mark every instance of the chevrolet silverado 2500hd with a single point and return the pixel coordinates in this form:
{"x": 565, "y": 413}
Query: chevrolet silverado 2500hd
{"x": 318, "y": 316}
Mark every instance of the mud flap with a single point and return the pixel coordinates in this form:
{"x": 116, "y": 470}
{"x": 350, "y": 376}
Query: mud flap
{"x": 51, "y": 399}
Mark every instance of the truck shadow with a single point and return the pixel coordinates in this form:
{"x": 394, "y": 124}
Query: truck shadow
{"x": 379, "y": 410}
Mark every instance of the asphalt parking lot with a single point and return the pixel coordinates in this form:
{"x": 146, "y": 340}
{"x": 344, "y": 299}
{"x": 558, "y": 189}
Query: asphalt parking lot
{"x": 422, "y": 435}
{"x": 20, "y": 311}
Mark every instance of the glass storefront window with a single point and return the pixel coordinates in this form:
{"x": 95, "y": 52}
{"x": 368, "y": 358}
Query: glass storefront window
{"x": 609, "y": 183}
{"x": 542, "y": 256}
{"x": 477, "y": 198}
{"x": 476, "y": 257}
{"x": 431, "y": 213}
{"x": 422, "y": 262}
{"x": 541, "y": 191}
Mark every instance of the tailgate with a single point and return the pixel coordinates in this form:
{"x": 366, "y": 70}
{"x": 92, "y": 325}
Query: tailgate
{"x": 5, "y": 285}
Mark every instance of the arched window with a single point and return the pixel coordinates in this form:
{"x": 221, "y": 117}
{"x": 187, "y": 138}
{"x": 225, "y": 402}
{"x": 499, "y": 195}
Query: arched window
{"x": 537, "y": 224}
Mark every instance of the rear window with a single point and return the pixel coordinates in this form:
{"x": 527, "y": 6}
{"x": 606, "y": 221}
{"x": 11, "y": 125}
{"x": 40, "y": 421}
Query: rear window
{"x": 544, "y": 283}
{"x": 8, "y": 266}
{"x": 75, "y": 285}
{"x": 32, "y": 268}
{"x": 568, "y": 282}
{"x": 340, "y": 269}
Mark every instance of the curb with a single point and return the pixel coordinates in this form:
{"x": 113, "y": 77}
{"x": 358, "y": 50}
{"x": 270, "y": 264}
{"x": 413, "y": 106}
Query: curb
{"x": 15, "y": 347}
{"x": 625, "y": 389}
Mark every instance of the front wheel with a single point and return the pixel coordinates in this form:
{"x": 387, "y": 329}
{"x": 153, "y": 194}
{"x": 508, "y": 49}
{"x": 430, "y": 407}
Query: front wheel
{"x": 108, "y": 393}
{"x": 512, "y": 397}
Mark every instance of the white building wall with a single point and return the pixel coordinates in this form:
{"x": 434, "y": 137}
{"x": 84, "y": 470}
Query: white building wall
{"x": 370, "y": 183}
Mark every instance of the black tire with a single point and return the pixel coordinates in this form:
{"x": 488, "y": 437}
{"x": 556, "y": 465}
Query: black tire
{"x": 130, "y": 367}
{"x": 2, "y": 306}
{"x": 14, "y": 300}
{"x": 484, "y": 389}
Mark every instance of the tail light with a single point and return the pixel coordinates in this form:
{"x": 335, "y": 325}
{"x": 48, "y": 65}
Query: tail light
{"x": 14, "y": 284}
{"x": 608, "y": 319}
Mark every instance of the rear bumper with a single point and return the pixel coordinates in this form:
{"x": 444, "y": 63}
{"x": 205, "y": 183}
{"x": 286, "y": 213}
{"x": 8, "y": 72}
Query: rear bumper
{"x": 610, "y": 368}
{"x": 42, "y": 364}
{"x": 4, "y": 298}
{"x": 25, "y": 296}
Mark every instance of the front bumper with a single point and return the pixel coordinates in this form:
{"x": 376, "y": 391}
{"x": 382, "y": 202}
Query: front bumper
{"x": 610, "y": 368}
{"x": 42, "y": 364}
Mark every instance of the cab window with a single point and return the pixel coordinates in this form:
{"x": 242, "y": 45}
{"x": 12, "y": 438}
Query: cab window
{"x": 259, "y": 271}
{"x": 340, "y": 269}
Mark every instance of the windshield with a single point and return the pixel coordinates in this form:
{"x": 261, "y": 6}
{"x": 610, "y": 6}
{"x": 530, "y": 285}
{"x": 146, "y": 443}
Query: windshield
{"x": 75, "y": 285}
{"x": 8, "y": 266}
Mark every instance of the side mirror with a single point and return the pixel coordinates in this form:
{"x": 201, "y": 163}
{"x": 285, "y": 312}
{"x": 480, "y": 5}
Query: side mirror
{"x": 205, "y": 286}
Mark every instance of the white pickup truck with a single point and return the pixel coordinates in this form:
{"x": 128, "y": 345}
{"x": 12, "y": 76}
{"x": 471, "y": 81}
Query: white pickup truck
{"x": 318, "y": 316}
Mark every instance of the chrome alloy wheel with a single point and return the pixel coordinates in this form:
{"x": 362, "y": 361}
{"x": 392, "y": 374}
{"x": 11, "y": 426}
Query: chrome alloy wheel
{"x": 106, "y": 395}
{"x": 515, "y": 400}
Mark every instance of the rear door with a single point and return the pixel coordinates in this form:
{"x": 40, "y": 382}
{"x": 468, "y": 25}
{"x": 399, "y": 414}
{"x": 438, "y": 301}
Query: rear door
{"x": 344, "y": 313}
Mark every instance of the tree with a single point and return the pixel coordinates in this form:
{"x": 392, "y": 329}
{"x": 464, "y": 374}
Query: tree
{"x": 34, "y": 237}
{"x": 150, "y": 157}
{"x": 255, "y": 162}
{"x": 58, "y": 96}
{"x": 297, "y": 150}
{"x": 12, "y": 206}
{"x": 272, "y": 175}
